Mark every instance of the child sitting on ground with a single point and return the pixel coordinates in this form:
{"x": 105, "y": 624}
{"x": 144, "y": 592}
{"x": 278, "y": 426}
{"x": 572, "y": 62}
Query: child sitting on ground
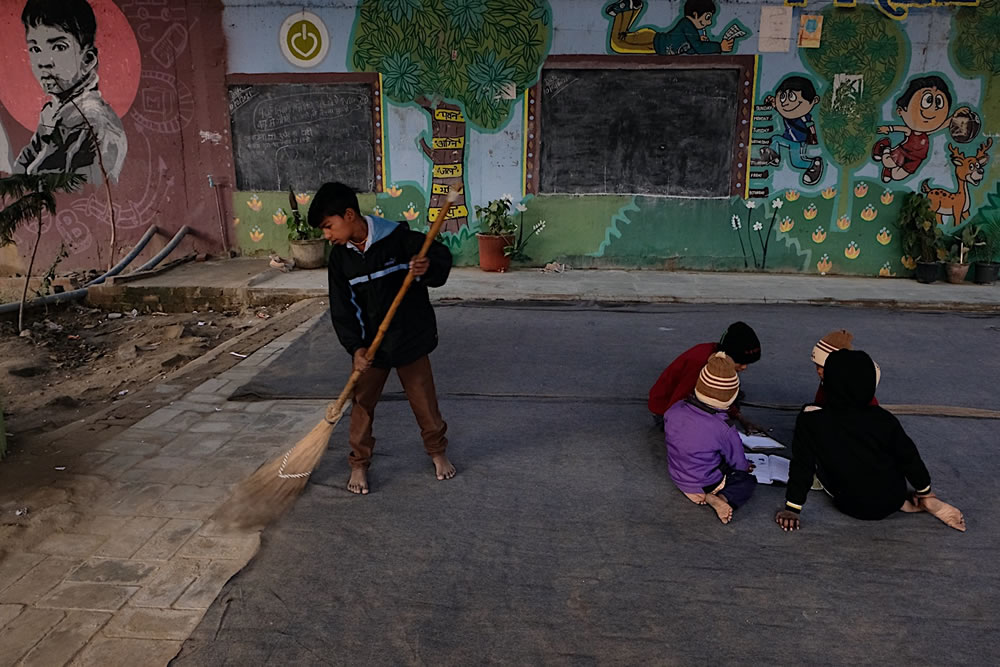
{"x": 833, "y": 341}
{"x": 704, "y": 450}
{"x": 859, "y": 451}
{"x": 677, "y": 381}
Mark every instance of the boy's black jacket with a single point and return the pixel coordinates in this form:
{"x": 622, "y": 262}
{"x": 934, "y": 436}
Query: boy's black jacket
{"x": 357, "y": 309}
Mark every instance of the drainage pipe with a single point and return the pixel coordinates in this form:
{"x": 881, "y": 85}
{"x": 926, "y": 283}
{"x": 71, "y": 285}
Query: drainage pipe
{"x": 167, "y": 249}
{"x": 73, "y": 295}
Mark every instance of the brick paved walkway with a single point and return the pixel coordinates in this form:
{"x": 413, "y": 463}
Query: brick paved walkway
{"x": 134, "y": 577}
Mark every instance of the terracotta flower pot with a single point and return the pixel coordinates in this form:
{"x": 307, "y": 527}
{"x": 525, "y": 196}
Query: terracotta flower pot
{"x": 957, "y": 272}
{"x": 309, "y": 254}
{"x": 491, "y": 257}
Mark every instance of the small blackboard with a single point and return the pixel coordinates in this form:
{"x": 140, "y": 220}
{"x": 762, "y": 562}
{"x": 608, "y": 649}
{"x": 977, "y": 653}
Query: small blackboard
{"x": 302, "y": 135}
{"x": 638, "y": 131}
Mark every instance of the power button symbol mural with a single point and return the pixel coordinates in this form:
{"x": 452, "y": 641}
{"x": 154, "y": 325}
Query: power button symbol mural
{"x": 304, "y": 39}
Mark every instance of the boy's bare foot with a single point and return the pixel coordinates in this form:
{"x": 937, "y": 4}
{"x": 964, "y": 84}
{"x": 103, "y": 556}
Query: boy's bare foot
{"x": 721, "y": 507}
{"x": 358, "y": 483}
{"x": 949, "y": 514}
{"x": 443, "y": 468}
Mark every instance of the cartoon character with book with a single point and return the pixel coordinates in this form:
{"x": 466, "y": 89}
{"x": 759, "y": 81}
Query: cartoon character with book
{"x": 688, "y": 35}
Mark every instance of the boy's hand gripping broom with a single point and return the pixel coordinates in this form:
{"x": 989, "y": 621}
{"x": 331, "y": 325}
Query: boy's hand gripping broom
{"x": 271, "y": 490}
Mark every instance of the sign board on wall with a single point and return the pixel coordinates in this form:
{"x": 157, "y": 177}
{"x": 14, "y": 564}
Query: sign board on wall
{"x": 304, "y": 39}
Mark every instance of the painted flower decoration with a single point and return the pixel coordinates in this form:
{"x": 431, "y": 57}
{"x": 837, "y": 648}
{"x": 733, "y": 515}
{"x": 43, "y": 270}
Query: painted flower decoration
{"x": 829, "y": 193}
{"x": 786, "y": 224}
{"x": 411, "y": 214}
{"x": 868, "y": 213}
{"x": 539, "y": 226}
{"x": 843, "y": 223}
{"x": 256, "y": 235}
{"x": 791, "y": 195}
{"x": 757, "y": 226}
{"x": 393, "y": 191}
{"x": 887, "y": 197}
{"x": 750, "y": 204}
{"x": 737, "y": 224}
{"x": 255, "y": 203}
{"x": 908, "y": 262}
{"x": 884, "y": 237}
{"x": 819, "y": 235}
{"x": 810, "y": 212}
{"x": 777, "y": 203}
{"x": 885, "y": 271}
{"x": 377, "y": 211}
{"x": 236, "y": 222}
{"x": 303, "y": 198}
{"x": 852, "y": 250}
{"x": 824, "y": 265}
{"x": 279, "y": 217}
{"x": 860, "y": 190}
{"x": 520, "y": 208}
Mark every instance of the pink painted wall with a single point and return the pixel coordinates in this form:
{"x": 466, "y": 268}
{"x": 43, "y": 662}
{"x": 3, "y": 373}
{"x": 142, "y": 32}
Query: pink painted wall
{"x": 158, "y": 105}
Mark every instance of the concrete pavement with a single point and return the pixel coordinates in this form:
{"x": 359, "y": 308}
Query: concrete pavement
{"x": 253, "y": 281}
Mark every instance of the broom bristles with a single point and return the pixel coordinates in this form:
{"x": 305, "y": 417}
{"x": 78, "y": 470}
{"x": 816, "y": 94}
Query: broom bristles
{"x": 274, "y": 487}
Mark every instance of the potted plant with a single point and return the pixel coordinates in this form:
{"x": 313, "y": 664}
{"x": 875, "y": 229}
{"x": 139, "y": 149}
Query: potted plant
{"x": 498, "y": 234}
{"x": 986, "y": 248}
{"x": 308, "y": 247}
{"x": 921, "y": 236}
{"x": 957, "y": 266}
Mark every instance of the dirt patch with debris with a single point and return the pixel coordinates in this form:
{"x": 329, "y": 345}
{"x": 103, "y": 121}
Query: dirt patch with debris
{"x": 70, "y": 362}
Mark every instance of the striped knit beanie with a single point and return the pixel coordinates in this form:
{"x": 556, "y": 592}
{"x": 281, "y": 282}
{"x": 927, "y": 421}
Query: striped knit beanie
{"x": 833, "y": 341}
{"x": 718, "y": 383}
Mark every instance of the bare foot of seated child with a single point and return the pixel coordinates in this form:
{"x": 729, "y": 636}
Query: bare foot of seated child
{"x": 358, "y": 483}
{"x": 443, "y": 468}
{"x": 948, "y": 514}
{"x": 723, "y": 509}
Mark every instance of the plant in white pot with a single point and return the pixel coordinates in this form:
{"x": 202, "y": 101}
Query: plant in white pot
{"x": 308, "y": 247}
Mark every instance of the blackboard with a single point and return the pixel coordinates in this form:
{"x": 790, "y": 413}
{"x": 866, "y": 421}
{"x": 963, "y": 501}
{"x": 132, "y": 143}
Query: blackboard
{"x": 302, "y": 135}
{"x": 638, "y": 131}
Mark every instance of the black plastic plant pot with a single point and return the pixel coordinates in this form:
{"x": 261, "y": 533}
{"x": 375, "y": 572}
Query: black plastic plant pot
{"x": 928, "y": 272}
{"x": 986, "y": 272}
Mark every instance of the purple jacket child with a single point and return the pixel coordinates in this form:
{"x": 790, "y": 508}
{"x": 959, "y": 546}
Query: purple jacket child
{"x": 703, "y": 450}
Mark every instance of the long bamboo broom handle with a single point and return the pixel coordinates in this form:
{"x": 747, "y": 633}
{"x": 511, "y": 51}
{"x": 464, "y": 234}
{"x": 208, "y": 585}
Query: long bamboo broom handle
{"x": 333, "y": 411}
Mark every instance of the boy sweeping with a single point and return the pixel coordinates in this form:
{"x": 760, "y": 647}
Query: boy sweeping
{"x": 367, "y": 266}
{"x": 704, "y": 451}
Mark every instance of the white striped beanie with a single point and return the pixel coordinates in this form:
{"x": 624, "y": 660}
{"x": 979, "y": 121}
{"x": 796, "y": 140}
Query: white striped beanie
{"x": 718, "y": 383}
{"x": 833, "y": 341}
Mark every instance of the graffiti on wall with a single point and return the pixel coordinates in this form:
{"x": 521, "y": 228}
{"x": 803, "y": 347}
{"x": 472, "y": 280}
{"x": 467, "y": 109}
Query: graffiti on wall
{"x": 688, "y": 35}
{"x": 463, "y": 63}
{"x": 77, "y": 130}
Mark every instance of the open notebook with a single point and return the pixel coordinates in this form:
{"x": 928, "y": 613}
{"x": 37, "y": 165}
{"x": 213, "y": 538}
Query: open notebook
{"x": 769, "y": 468}
{"x": 759, "y": 442}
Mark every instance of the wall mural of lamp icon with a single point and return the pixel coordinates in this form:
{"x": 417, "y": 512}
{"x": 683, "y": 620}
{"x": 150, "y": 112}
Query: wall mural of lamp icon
{"x": 304, "y": 39}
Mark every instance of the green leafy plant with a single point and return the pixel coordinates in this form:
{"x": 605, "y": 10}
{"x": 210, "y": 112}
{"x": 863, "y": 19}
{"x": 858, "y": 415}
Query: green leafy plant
{"x": 987, "y": 244}
{"x": 298, "y": 228}
{"x": 917, "y": 223}
{"x": 495, "y": 218}
{"x": 962, "y": 242}
{"x": 25, "y": 197}
{"x": 45, "y": 288}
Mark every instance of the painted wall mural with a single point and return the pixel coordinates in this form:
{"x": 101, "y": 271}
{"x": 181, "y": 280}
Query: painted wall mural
{"x": 94, "y": 86}
{"x": 462, "y": 62}
{"x": 688, "y": 35}
{"x": 886, "y": 104}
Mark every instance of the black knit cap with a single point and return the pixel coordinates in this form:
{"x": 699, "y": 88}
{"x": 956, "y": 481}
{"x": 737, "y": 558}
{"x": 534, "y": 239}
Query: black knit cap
{"x": 740, "y": 342}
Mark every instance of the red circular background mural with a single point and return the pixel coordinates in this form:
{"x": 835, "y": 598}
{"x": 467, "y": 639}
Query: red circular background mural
{"x": 119, "y": 64}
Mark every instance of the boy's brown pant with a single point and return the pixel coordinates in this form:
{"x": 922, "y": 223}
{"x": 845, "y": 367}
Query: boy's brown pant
{"x": 418, "y": 383}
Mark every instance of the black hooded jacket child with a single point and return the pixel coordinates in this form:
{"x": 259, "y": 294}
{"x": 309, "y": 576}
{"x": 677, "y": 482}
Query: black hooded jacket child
{"x": 860, "y": 452}
{"x": 363, "y": 286}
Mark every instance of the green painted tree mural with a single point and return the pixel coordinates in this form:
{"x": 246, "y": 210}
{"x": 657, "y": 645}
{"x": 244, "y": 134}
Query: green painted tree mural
{"x": 974, "y": 47}
{"x": 461, "y": 61}
{"x": 856, "y": 41}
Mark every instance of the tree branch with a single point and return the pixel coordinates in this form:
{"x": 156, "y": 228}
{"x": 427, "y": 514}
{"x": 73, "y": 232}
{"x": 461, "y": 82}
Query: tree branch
{"x": 427, "y": 149}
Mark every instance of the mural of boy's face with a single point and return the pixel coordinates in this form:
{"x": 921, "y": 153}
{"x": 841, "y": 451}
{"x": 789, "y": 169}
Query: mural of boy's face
{"x": 926, "y": 111}
{"x": 701, "y": 21}
{"x": 793, "y": 104}
{"x": 57, "y": 59}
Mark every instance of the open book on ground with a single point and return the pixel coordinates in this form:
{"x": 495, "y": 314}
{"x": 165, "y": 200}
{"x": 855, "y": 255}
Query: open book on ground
{"x": 759, "y": 442}
{"x": 769, "y": 468}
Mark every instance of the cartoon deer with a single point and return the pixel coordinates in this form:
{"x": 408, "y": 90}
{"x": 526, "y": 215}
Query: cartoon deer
{"x": 968, "y": 171}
